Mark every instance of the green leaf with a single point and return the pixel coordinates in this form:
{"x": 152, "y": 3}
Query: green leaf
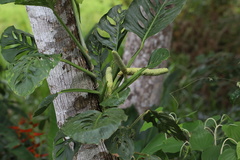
{"x": 44, "y": 3}
{"x": 238, "y": 150}
{"x": 92, "y": 126}
{"x": 228, "y": 154}
{"x": 147, "y": 17}
{"x": 154, "y": 145}
{"x": 121, "y": 143}
{"x": 62, "y": 149}
{"x": 201, "y": 139}
{"x": 6, "y": 1}
{"x": 165, "y": 124}
{"x": 99, "y": 56}
{"x": 116, "y": 99}
{"x": 45, "y": 104}
{"x": 211, "y": 153}
{"x": 150, "y": 157}
{"x": 157, "y": 57}
{"x": 146, "y": 125}
{"x": 110, "y": 31}
{"x": 15, "y": 42}
{"x": 28, "y": 72}
{"x": 171, "y": 145}
{"x": 232, "y": 131}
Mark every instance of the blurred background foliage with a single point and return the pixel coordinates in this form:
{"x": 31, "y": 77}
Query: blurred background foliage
{"x": 204, "y": 62}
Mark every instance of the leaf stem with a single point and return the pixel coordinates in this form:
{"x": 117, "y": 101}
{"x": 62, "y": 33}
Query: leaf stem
{"x": 79, "y": 90}
{"x": 80, "y": 68}
{"x": 76, "y": 10}
{"x": 82, "y": 49}
{"x": 135, "y": 55}
{"x": 138, "y": 119}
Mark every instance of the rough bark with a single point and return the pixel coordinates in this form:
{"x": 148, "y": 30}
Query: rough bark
{"x": 145, "y": 92}
{"x": 52, "y": 38}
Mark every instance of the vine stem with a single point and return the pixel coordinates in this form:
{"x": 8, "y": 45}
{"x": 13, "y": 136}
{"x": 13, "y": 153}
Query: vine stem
{"x": 80, "y": 68}
{"x": 135, "y": 55}
{"x": 76, "y": 10}
{"x": 221, "y": 151}
{"x": 82, "y": 49}
{"x": 138, "y": 119}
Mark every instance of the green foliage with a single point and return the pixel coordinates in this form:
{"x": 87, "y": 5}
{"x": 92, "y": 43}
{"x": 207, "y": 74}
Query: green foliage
{"x": 146, "y": 18}
{"x": 92, "y": 126}
{"x": 157, "y": 57}
{"x": 6, "y": 1}
{"x": 62, "y": 149}
{"x": 229, "y": 154}
{"x": 210, "y": 82}
{"x": 112, "y": 25}
{"x": 116, "y": 99}
{"x": 27, "y": 68}
{"x": 121, "y": 143}
{"x": 45, "y": 104}
{"x": 232, "y": 130}
{"x": 164, "y": 123}
{"x": 15, "y": 42}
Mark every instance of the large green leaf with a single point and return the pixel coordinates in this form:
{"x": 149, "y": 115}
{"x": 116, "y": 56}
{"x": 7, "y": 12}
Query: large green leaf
{"x": 116, "y": 99}
{"x": 45, "y": 3}
{"x": 6, "y": 1}
{"x": 171, "y": 145}
{"x": 112, "y": 25}
{"x": 45, "y": 104}
{"x": 154, "y": 145}
{"x": 28, "y": 72}
{"x": 201, "y": 139}
{"x": 121, "y": 143}
{"x": 228, "y": 154}
{"x": 147, "y": 17}
{"x": 15, "y": 42}
{"x": 232, "y": 131}
{"x": 165, "y": 124}
{"x": 62, "y": 149}
{"x": 157, "y": 57}
{"x": 92, "y": 126}
{"x": 211, "y": 153}
{"x": 28, "y": 68}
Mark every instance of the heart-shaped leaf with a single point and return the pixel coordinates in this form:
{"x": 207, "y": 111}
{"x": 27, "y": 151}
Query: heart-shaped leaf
{"x": 92, "y": 126}
{"x": 45, "y": 104}
{"x": 232, "y": 131}
{"x": 121, "y": 143}
{"x": 147, "y": 17}
{"x": 111, "y": 26}
{"x": 228, "y": 154}
{"x": 157, "y": 57}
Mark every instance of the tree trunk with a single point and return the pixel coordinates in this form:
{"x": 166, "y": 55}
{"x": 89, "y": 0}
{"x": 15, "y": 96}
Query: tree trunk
{"x": 145, "y": 92}
{"x": 52, "y": 38}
